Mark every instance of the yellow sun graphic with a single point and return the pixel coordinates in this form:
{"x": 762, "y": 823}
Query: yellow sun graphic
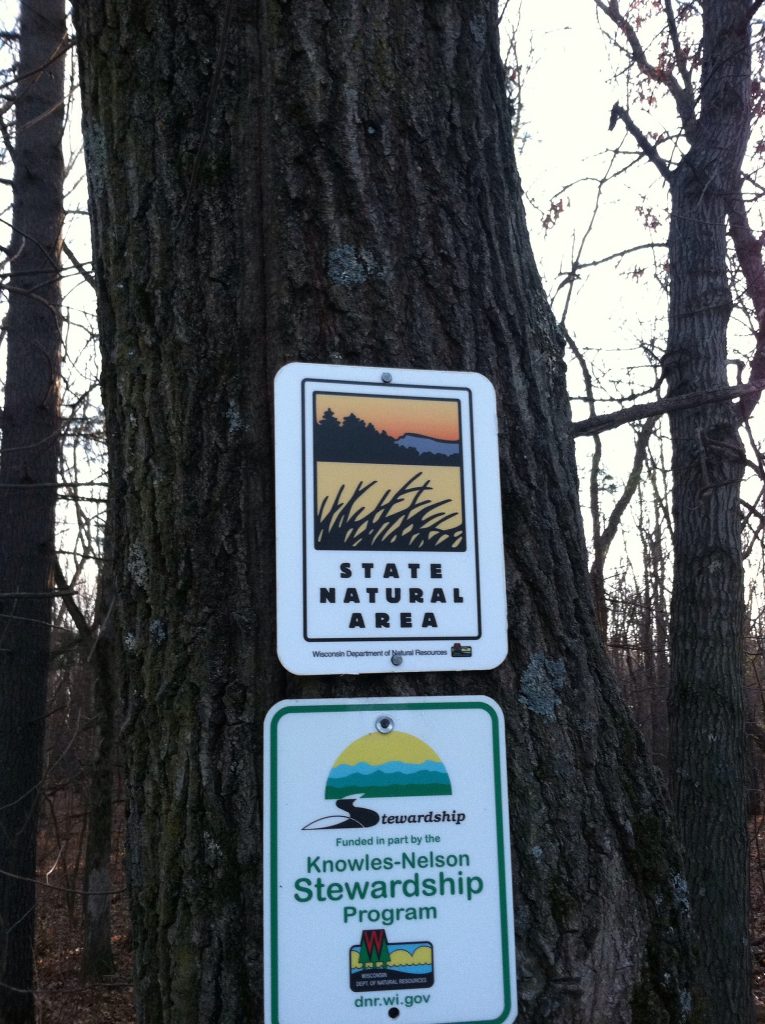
{"x": 377, "y": 748}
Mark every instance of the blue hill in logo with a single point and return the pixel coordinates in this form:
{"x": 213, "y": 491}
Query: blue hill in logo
{"x": 394, "y": 764}
{"x": 393, "y": 778}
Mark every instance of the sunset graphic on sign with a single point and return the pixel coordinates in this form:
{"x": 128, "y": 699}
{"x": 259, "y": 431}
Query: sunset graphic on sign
{"x": 388, "y": 472}
{"x": 398, "y": 416}
{"x": 385, "y": 765}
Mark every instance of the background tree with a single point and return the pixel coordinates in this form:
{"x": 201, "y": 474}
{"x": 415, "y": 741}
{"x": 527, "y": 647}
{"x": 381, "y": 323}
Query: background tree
{"x": 28, "y": 473}
{"x": 297, "y": 182}
{"x": 708, "y": 758}
{"x": 702, "y": 58}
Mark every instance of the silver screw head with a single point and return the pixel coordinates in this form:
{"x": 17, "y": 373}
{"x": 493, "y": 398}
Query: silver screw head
{"x": 386, "y": 377}
{"x": 384, "y": 724}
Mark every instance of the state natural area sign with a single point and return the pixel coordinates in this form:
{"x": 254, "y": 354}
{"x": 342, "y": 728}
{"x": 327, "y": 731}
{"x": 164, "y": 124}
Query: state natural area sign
{"x": 389, "y": 529}
{"x": 387, "y": 887}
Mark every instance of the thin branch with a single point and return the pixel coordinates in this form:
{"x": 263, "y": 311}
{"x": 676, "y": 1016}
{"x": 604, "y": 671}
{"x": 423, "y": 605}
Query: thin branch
{"x": 57, "y": 483}
{"x": 680, "y": 58}
{"x": 37, "y": 444}
{"x": 67, "y": 595}
{"x": 618, "y": 113}
{"x": 576, "y": 259}
{"x": 102, "y": 628}
{"x": 48, "y": 770}
{"x": 607, "y": 421}
{"x": 682, "y": 97}
{"x": 65, "y": 45}
{"x": 752, "y": 512}
{"x": 576, "y": 266}
{"x": 41, "y": 117}
{"x": 60, "y": 888}
{"x": 641, "y": 446}
{"x": 6, "y": 137}
{"x": 76, "y": 263}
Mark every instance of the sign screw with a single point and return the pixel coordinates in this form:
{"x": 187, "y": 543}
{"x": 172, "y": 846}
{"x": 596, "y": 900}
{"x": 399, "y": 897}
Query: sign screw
{"x": 387, "y": 377}
{"x": 396, "y": 659}
{"x": 384, "y": 724}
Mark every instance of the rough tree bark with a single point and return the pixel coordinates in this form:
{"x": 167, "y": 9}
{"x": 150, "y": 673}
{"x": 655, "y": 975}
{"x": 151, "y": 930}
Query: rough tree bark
{"x": 28, "y": 470}
{"x": 335, "y": 182}
{"x": 706, "y": 705}
{"x": 706, "y": 711}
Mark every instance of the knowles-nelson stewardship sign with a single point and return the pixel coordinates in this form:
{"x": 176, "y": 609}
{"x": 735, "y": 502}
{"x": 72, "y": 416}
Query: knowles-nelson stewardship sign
{"x": 389, "y": 531}
{"x": 387, "y": 888}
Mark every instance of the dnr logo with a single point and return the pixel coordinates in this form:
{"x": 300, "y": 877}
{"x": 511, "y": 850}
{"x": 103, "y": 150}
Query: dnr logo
{"x": 461, "y": 651}
{"x": 377, "y": 963}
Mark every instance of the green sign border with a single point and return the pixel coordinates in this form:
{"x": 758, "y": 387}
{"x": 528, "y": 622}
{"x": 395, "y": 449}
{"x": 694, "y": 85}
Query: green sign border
{"x": 383, "y": 705}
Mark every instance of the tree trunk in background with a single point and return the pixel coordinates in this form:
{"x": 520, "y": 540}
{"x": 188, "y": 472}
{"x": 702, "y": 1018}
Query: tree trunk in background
{"x": 293, "y": 180}
{"x": 656, "y": 585}
{"x": 707, "y": 730}
{"x": 28, "y": 471}
{"x": 97, "y": 955}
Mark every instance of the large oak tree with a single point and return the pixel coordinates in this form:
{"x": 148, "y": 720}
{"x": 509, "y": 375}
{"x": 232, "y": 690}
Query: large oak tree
{"x": 335, "y": 181}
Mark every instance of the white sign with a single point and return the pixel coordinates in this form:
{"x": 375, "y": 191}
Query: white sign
{"x": 388, "y": 521}
{"x": 387, "y": 887}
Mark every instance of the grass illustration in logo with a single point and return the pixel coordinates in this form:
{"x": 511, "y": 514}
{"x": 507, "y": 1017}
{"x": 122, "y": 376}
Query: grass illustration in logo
{"x": 388, "y": 765}
{"x": 388, "y": 473}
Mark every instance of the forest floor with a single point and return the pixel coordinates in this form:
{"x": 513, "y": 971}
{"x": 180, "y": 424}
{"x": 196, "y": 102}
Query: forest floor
{"x": 65, "y": 997}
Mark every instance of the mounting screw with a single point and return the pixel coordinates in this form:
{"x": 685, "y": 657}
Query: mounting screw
{"x": 387, "y": 377}
{"x": 384, "y": 724}
{"x": 396, "y": 659}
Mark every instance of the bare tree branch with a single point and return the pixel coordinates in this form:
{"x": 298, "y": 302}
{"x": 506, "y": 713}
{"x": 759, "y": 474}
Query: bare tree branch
{"x": 603, "y": 541}
{"x": 76, "y": 263}
{"x": 67, "y": 595}
{"x": 682, "y": 97}
{"x": 618, "y": 113}
{"x": 680, "y": 56}
{"x": 607, "y": 421}
{"x": 587, "y": 265}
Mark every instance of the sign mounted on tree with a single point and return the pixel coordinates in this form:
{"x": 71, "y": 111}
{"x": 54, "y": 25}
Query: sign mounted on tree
{"x": 387, "y": 888}
{"x": 389, "y": 532}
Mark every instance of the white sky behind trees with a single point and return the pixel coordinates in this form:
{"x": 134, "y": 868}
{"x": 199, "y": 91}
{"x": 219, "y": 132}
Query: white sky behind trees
{"x": 565, "y": 148}
{"x": 571, "y": 77}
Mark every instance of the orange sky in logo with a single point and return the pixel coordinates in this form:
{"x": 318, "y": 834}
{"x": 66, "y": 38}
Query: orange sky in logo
{"x": 433, "y": 417}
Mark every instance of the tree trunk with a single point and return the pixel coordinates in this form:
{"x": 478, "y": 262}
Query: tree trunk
{"x": 294, "y": 180}
{"x": 707, "y": 729}
{"x": 28, "y": 471}
{"x": 97, "y": 956}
